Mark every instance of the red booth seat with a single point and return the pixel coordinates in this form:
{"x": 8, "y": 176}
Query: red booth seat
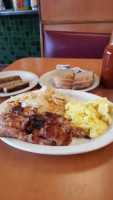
{"x": 60, "y": 44}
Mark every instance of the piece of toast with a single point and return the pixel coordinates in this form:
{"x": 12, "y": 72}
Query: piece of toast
{"x": 15, "y": 87}
{"x": 3, "y": 85}
{"x": 63, "y": 78}
{"x": 83, "y": 80}
{"x": 10, "y": 78}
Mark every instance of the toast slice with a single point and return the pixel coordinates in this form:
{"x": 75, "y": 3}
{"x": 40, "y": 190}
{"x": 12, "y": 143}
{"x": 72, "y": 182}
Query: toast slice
{"x": 3, "y": 85}
{"x": 63, "y": 78}
{"x": 83, "y": 80}
{"x": 10, "y": 78}
{"x": 15, "y": 87}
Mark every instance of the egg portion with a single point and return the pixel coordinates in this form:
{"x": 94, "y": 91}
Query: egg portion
{"x": 93, "y": 116}
{"x": 103, "y": 108}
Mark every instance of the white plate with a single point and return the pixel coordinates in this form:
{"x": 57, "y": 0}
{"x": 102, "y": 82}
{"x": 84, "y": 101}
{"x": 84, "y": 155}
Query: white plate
{"x": 77, "y": 145}
{"x": 46, "y": 79}
{"x": 25, "y": 75}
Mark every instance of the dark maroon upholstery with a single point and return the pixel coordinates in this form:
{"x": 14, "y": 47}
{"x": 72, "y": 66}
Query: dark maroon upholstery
{"x": 59, "y": 44}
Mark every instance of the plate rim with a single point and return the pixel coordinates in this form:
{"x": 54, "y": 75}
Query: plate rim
{"x": 22, "y": 90}
{"x": 97, "y": 143}
{"x": 84, "y": 90}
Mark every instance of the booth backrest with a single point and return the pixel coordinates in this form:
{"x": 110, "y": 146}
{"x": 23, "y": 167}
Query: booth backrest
{"x": 62, "y": 44}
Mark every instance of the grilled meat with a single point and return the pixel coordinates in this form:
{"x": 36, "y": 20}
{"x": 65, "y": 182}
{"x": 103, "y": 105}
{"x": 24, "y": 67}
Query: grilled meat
{"x": 9, "y": 119}
{"x": 46, "y": 128}
{"x": 21, "y": 135}
{"x": 28, "y": 125}
{"x": 57, "y": 130}
{"x": 79, "y": 132}
{"x": 26, "y": 112}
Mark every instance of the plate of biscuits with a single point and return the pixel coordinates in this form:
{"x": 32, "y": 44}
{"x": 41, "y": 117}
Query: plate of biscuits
{"x": 16, "y": 82}
{"x": 82, "y": 80}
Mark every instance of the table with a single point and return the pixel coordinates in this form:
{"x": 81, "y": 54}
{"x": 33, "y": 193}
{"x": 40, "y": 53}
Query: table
{"x": 28, "y": 176}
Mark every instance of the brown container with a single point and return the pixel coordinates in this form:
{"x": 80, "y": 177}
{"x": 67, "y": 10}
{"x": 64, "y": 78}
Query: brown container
{"x": 107, "y": 66}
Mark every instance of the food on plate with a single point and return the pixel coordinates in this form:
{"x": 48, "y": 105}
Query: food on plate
{"x": 104, "y": 108}
{"x": 17, "y": 86}
{"x": 11, "y": 84}
{"x": 47, "y": 128}
{"x": 63, "y": 78}
{"x": 10, "y": 78}
{"x": 30, "y": 126}
{"x": 94, "y": 116}
{"x": 48, "y": 100}
{"x": 2, "y": 85}
{"x": 69, "y": 79}
{"x": 38, "y": 117}
{"x": 83, "y": 80}
{"x": 48, "y": 117}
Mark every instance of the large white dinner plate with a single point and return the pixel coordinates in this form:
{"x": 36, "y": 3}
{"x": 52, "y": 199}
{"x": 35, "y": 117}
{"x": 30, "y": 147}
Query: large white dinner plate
{"x": 46, "y": 79}
{"x": 77, "y": 145}
{"x": 25, "y": 75}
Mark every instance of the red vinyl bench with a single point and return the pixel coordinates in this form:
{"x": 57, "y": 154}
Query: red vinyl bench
{"x": 62, "y": 44}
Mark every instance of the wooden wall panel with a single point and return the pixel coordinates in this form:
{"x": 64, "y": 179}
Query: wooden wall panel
{"x": 61, "y": 10}
{"x": 76, "y": 15}
{"x": 91, "y": 27}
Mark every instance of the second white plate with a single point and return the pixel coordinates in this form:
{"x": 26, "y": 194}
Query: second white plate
{"x": 25, "y": 75}
{"x": 46, "y": 80}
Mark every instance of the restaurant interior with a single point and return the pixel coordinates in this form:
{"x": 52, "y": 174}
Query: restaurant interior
{"x": 56, "y": 99}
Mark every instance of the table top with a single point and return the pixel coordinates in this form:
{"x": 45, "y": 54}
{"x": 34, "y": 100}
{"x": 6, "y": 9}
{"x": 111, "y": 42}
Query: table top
{"x": 25, "y": 175}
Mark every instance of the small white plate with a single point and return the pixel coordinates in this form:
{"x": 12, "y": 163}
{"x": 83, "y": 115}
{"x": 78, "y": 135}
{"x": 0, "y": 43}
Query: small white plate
{"x": 25, "y": 75}
{"x": 46, "y": 80}
{"x": 77, "y": 146}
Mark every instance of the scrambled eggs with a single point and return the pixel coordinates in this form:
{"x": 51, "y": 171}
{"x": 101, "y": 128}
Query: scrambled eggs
{"x": 93, "y": 116}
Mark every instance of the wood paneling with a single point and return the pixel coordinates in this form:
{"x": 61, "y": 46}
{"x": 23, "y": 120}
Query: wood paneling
{"x": 76, "y": 15}
{"x": 91, "y": 27}
{"x": 60, "y": 10}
